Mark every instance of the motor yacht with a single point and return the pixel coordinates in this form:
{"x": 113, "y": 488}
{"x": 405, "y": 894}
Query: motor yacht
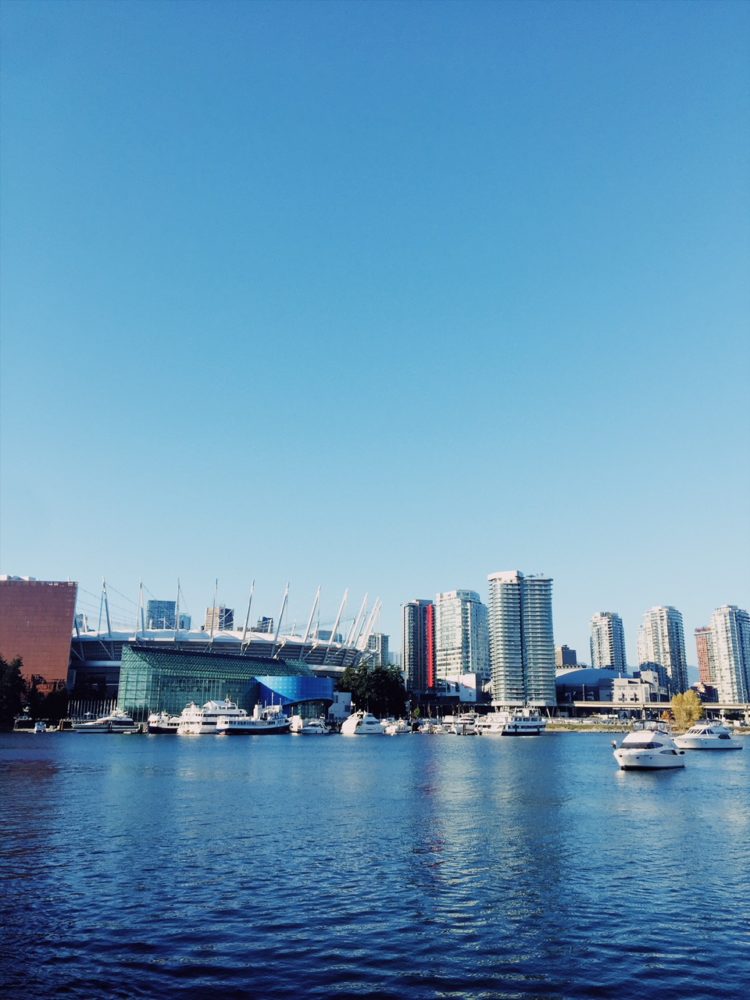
{"x": 511, "y": 722}
{"x": 116, "y": 722}
{"x": 464, "y": 725}
{"x": 163, "y": 723}
{"x": 263, "y": 722}
{"x": 199, "y": 721}
{"x": 308, "y": 727}
{"x": 708, "y": 736}
{"x": 650, "y": 747}
{"x": 362, "y": 724}
{"x": 398, "y": 728}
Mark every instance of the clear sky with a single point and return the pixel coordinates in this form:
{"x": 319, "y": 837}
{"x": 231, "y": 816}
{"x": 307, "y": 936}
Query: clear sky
{"x": 386, "y": 296}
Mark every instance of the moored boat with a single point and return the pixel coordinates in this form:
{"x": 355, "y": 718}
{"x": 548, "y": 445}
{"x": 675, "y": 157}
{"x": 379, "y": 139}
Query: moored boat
{"x": 163, "y": 723}
{"x": 650, "y": 747}
{"x": 308, "y": 727}
{"x": 362, "y": 724}
{"x": 708, "y": 736}
{"x": 263, "y": 722}
{"x": 201, "y": 720}
{"x": 398, "y": 728}
{"x": 517, "y": 721}
{"x": 116, "y": 722}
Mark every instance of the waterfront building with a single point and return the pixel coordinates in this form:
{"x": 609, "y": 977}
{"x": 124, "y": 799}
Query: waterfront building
{"x": 161, "y": 614}
{"x": 661, "y": 644}
{"x": 522, "y": 645}
{"x": 608, "y": 642}
{"x": 36, "y": 624}
{"x": 219, "y": 619}
{"x": 377, "y": 646}
{"x": 730, "y": 639}
{"x": 704, "y": 647}
{"x": 265, "y": 624}
{"x": 461, "y": 635}
{"x": 565, "y": 657}
{"x": 159, "y": 677}
{"x": 418, "y": 648}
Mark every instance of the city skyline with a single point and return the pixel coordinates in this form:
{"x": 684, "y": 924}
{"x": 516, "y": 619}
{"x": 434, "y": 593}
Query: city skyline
{"x": 457, "y": 286}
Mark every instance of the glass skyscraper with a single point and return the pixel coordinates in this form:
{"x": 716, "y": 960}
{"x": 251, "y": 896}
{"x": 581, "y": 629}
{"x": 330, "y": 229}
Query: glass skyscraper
{"x": 661, "y": 644}
{"x": 608, "y": 642}
{"x": 730, "y": 646}
{"x": 461, "y": 636}
{"x": 522, "y": 644}
{"x": 418, "y": 647}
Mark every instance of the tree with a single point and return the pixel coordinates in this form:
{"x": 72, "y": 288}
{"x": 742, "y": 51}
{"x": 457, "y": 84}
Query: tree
{"x": 379, "y": 690}
{"x": 12, "y": 688}
{"x": 687, "y": 708}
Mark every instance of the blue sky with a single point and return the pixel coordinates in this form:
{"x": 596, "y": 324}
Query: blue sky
{"x": 386, "y": 296}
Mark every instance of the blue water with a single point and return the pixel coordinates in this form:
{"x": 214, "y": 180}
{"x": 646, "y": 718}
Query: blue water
{"x": 420, "y": 866}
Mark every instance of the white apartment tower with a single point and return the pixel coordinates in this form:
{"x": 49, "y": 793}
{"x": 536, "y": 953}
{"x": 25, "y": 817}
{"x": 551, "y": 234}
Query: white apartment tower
{"x": 730, "y": 648}
{"x": 461, "y": 636}
{"x": 608, "y": 642}
{"x": 522, "y": 645}
{"x": 661, "y": 643}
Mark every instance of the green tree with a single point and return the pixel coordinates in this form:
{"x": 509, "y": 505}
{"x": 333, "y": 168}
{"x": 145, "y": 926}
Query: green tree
{"x": 55, "y": 705}
{"x": 12, "y": 689}
{"x": 687, "y": 708}
{"x": 379, "y": 690}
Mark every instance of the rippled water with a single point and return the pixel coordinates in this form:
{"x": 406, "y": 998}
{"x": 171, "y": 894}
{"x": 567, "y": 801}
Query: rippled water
{"x": 419, "y": 866}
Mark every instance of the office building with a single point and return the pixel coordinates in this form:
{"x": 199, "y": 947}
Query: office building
{"x": 36, "y": 624}
{"x": 661, "y": 646}
{"x": 522, "y": 645}
{"x": 730, "y": 639}
{"x": 461, "y": 635}
{"x": 608, "y": 642}
{"x": 219, "y": 619}
{"x": 161, "y": 614}
{"x": 418, "y": 649}
{"x": 565, "y": 657}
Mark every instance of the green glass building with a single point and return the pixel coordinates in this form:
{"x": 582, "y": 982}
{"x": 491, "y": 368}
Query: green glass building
{"x": 154, "y": 679}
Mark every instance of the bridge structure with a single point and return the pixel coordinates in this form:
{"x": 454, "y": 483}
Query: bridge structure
{"x": 711, "y": 708}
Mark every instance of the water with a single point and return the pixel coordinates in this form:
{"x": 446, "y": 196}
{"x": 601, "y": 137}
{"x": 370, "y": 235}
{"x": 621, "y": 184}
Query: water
{"x": 411, "y": 867}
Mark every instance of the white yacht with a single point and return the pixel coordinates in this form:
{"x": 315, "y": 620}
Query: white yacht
{"x": 308, "y": 727}
{"x": 511, "y": 722}
{"x": 116, "y": 722}
{"x": 708, "y": 736}
{"x": 198, "y": 721}
{"x": 398, "y": 728}
{"x": 464, "y": 725}
{"x": 650, "y": 747}
{"x": 263, "y": 722}
{"x": 362, "y": 724}
{"x": 163, "y": 722}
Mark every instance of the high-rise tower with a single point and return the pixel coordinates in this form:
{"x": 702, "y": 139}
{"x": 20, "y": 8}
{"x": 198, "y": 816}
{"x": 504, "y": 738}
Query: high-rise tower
{"x": 522, "y": 645}
{"x": 608, "y": 642}
{"x": 661, "y": 644}
{"x": 730, "y": 641}
{"x": 704, "y": 647}
{"x": 418, "y": 647}
{"x": 461, "y": 638}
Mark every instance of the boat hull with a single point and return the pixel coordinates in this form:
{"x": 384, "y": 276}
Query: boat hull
{"x": 633, "y": 761}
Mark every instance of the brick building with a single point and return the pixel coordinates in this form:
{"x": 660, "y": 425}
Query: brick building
{"x": 36, "y": 623}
